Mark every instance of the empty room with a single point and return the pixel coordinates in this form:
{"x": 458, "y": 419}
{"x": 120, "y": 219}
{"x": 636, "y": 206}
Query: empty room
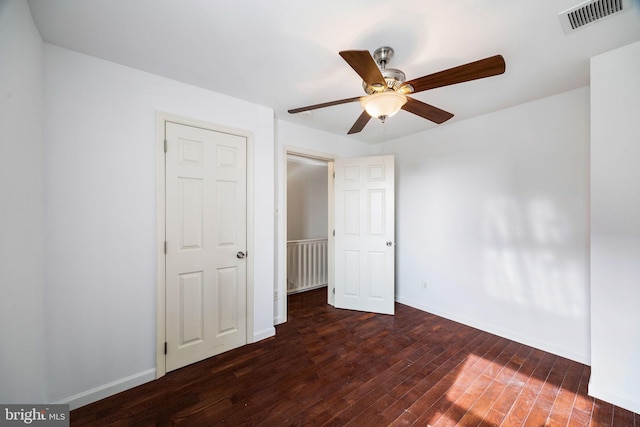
{"x": 315, "y": 213}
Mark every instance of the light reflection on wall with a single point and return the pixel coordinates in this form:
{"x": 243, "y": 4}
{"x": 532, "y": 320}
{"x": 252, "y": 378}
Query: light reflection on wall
{"x": 528, "y": 256}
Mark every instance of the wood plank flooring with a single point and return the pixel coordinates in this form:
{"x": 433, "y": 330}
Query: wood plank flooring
{"x": 329, "y": 367}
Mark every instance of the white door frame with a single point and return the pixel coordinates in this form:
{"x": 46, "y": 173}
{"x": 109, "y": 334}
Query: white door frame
{"x": 161, "y": 119}
{"x": 282, "y": 267}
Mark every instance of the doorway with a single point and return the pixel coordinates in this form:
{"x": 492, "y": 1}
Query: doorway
{"x": 321, "y": 161}
{"x": 307, "y": 224}
{"x": 361, "y": 230}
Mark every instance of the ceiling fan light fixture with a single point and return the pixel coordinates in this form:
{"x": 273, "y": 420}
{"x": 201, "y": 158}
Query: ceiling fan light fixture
{"x": 383, "y": 104}
{"x": 387, "y": 88}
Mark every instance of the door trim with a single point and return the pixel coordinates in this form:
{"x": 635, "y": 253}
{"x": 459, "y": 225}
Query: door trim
{"x": 161, "y": 119}
{"x": 281, "y": 269}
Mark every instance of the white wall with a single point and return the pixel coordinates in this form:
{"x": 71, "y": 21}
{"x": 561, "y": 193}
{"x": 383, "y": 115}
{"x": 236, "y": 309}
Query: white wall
{"x": 615, "y": 227}
{"x": 295, "y": 138}
{"x": 22, "y": 349}
{"x": 306, "y": 200}
{"x": 100, "y": 168}
{"x": 492, "y": 215}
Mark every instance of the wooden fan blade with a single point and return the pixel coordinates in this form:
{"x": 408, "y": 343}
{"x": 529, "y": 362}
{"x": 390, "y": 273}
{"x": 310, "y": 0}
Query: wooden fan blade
{"x": 487, "y": 67}
{"x": 360, "y": 123}
{"x": 324, "y": 104}
{"x": 426, "y": 111}
{"x": 362, "y": 62}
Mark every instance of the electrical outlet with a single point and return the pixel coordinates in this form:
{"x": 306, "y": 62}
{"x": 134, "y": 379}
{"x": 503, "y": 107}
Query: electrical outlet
{"x": 424, "y": 286}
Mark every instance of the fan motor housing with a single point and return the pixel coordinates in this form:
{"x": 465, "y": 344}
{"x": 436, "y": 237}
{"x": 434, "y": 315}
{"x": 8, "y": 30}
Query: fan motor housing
{"x": 392, "y": 76}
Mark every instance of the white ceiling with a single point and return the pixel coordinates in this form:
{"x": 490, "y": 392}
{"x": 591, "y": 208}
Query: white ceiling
{"x": 284, "y": 53}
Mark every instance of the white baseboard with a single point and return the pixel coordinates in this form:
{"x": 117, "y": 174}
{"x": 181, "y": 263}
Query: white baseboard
{"x": 505, "y": 333}
{"x": 263, "y": 334}
{"x": 631, "y": 403}
{"x": 117, "y": 386}
{"x": 106, "y": 390}
{"x": 309, "y": 288}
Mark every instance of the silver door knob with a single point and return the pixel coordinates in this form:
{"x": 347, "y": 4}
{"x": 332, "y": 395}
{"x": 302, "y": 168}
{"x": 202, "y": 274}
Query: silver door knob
{"x": 389, "y": 244}
{"x": 241, "y": 255}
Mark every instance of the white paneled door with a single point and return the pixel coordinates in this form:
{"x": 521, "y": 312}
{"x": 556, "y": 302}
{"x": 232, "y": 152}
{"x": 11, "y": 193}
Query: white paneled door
{"x": 364, "y": 234}
{"x": 205, "y": 182}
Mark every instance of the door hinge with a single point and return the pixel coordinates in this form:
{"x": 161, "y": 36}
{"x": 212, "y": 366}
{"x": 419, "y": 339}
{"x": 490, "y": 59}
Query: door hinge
{"x": 334, "y": 233}
{"x": 334, "y": 291}
{"x": 334, "y": 175}
{"x": 165, "y": 247}
{"x": 165, "y": 347}
{"x": 165, "y": 145}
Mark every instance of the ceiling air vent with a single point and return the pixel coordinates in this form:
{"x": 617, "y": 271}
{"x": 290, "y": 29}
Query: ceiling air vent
{"x": 592, "y": 11}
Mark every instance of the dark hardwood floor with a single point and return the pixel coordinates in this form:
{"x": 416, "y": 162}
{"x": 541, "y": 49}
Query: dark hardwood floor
{"x": 328, "y": 367}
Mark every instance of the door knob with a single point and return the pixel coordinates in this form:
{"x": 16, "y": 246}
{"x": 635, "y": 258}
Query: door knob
{"x": 389, "y": 243}
{"x": 241, "y": 255}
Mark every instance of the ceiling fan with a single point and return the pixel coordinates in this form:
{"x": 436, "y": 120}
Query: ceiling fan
{"x": 387, "y": 89}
